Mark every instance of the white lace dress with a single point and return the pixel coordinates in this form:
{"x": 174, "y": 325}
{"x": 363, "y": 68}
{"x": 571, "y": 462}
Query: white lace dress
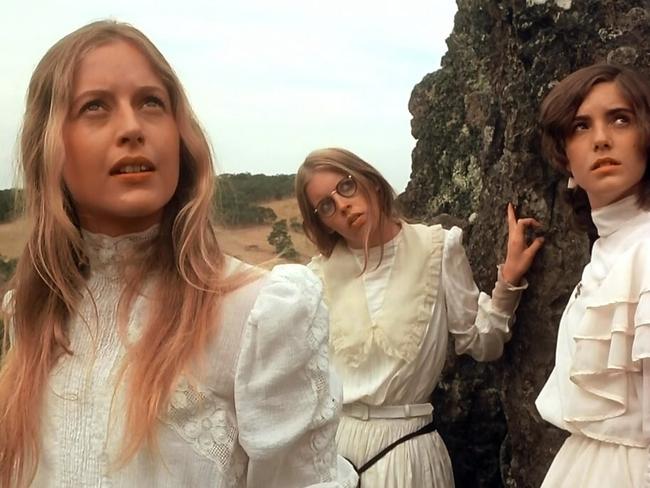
{"x": 599, "y": 389}
{"x": 479, "y": 328}
{"x": 264, "y": 413}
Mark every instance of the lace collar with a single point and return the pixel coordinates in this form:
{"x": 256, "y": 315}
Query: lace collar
{"x": 106, "y": 254}
{"x": 612, "y": 217}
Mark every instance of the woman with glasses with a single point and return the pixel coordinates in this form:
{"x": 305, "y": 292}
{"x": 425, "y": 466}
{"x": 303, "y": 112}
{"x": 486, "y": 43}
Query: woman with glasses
{"x": 394, "y": 291}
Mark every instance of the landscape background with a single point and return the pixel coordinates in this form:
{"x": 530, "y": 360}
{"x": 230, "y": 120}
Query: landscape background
{"x": 475, "y": 122}
{"x": 259, "y": 222}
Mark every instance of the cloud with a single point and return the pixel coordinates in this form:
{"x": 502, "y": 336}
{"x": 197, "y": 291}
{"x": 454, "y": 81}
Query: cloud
{"x": 269, "y": 80}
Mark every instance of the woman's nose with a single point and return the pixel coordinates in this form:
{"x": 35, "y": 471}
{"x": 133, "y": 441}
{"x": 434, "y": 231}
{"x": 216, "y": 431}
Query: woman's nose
{"x": 602, "y": 138}
{"x": 130, "y": 128}
{"x": 342, "y": 203}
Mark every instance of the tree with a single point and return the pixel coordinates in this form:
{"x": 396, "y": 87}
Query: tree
{"x": 281, "y": 240}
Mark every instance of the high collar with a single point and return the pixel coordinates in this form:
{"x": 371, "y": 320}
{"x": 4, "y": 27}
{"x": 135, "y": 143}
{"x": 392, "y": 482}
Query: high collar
{"x": 616, "y": 215}
{"x": 106, "y": 254}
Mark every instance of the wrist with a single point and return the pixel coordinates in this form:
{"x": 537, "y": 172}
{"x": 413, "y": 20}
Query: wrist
{"x": 509, "y": 276}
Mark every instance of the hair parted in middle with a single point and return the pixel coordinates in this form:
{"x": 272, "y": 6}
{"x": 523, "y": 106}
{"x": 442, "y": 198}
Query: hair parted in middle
{"x": 557, "y": 114}
{"x": 185, "y": 261}
{"x": 369, "y": 180}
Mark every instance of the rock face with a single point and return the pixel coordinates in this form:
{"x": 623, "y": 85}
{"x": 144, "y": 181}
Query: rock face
{"x": 475, "y": 121}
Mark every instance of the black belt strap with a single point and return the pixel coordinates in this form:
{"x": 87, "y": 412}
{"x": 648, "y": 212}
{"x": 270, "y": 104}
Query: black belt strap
{"x": 430, "y": 427}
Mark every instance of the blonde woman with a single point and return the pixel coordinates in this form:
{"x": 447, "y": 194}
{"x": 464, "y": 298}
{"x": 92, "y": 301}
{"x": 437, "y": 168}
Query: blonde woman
{"x": 395, "y": 291}
{"x": 138, "y": 353}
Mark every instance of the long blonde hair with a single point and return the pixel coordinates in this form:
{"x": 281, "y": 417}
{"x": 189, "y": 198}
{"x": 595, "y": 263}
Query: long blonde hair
{"x": 184, "y": 259}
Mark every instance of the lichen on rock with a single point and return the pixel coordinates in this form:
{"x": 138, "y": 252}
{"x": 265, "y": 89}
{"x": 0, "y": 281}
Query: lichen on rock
{"x": 475, "y": 122}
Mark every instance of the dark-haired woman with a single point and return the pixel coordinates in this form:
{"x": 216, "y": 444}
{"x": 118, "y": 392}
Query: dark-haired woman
{"x": 596, "y": 130}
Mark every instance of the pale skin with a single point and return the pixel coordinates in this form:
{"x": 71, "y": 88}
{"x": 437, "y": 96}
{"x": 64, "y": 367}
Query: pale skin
{"x": 605, "y": 148}
{"x": 353, "y": 213}
{"x": 122, "y": 157}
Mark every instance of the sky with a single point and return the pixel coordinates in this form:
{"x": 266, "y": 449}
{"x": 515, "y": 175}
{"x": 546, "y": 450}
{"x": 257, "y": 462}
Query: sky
{"x": 270, "y": 80}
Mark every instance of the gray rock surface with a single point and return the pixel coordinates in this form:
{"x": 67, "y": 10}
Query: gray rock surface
{"x": 475, "y": 121}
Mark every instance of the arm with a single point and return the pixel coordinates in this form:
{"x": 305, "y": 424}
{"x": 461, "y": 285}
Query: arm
{"x": 480, "y": 323}
{"x": 287, "y": 403}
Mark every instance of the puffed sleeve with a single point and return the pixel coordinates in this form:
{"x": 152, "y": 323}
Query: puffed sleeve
{"x": 286, "y": 399}
{"x": 479, "y": 323}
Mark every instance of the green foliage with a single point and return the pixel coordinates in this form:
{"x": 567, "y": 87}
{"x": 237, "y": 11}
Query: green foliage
{"x": 7, "y": 268}
{"x": 281, "y": 240}
{"x": 295, "y": 225}
{"x": 8, "y": 204}
{"x": 257, "y": 188}
{"x": 239, "y": 193}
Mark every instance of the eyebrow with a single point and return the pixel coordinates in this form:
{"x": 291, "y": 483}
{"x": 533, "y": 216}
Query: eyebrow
{"x": 102, "y": 92}
{"x": 609, "y": 113}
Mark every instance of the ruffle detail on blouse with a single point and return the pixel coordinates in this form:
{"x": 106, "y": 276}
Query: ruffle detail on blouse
{"x": 612, "y": 339}
{"x": 404, "y": 342}
{"x": 400, "y": 325}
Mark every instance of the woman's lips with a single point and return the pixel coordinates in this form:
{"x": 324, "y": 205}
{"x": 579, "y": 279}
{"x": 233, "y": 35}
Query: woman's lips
{"x": 356, "y": 220}
{"x": 605, "y": 164}
{"x": 130, "y": 165}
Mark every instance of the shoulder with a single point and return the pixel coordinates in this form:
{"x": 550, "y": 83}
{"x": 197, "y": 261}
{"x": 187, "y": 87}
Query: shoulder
{"x": 316, "y": 264}
{"x": 288, "y": 290}
{"x": 629, "y": 276}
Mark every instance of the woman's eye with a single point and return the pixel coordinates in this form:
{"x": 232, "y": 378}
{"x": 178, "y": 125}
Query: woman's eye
{"x": 621, "y": 120}
{"x": 579, "y": 127}
{"x": 154, "y": 101}
{"x": 326, "y": 206}
{"x": 346, "y": 187}
{"x": 91, "y": 106}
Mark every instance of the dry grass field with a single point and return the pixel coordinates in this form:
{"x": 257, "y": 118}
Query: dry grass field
{"x": 246, "y": 243}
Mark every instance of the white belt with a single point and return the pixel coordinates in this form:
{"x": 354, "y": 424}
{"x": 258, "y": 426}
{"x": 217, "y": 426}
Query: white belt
{"x": 365, "y": 412}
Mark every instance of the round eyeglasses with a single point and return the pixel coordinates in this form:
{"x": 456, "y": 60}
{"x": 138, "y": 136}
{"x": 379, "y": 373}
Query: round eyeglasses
{"x": 346, "y": 187}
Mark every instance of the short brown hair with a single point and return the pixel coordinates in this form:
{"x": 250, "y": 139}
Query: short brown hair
{"x": 558, "y": 111}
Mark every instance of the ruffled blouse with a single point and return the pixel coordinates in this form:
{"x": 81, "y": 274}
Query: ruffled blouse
{"x": 263, "y": 413}
{"x": 596, "y": 387}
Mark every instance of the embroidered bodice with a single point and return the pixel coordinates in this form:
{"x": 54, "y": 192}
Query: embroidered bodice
{"x": 261, "y": 414}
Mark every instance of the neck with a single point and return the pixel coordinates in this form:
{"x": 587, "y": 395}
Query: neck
{"x": 380, "y": 236}
{"x": 115, "y": 227}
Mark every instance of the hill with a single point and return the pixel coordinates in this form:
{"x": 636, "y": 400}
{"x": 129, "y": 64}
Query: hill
{"x": 247, "y": 242}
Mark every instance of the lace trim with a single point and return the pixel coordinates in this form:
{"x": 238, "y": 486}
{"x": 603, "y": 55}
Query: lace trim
{"x": 322, "y": 442}
{"x": 105, "y": 252}
{"x": 208, "y": 428}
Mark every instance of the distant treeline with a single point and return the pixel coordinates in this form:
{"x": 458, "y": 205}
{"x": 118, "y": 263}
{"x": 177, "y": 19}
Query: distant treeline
{"x": 239, "y": 195}
{"x": 236, "y": 201}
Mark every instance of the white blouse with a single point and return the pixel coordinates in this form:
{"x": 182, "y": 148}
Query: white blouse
{"x": 597, "y": 385}
{"x": 262, "y": 414}
{"x": 479, "y": 324}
